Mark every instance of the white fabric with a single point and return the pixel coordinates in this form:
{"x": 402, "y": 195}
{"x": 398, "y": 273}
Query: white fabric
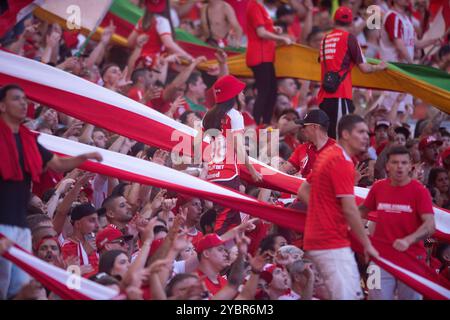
{"x": 388, "y": 51}
{"x": 339, "y": 272}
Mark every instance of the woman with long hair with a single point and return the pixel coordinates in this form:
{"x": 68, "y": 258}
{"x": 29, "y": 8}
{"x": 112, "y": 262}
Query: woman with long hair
{"x": 156, "y": 30}
{"x": 224, "y": 126}
{"x": 260, "y": 57}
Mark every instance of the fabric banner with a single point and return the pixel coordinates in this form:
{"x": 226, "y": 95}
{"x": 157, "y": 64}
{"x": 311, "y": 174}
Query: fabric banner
{"x": 414, "y": 273}
{"x": 62, "y": 282}
{"x": 110, "y": 110}
{"x": 83, "y": 13}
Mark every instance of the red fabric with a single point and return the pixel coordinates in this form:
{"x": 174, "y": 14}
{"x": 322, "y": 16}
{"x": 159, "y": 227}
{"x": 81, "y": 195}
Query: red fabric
{"x": 333, "y": 177}
{"x": 304, "y": 156}
{"x": 49, "y": 179}
{"x": 399, "y": 211}
{"x": 71, "y": 249}
{"x": 154, "y": 44}
{"x": 195, "y": 238}
{"x": 8, "y": 19}
{"x": 258, "y": 50}
{"x": 394, "y": 26}
{"x": 239, "y": 7}
{"x": 10, "y": 166}
{"x": 337, "y": 48}
{"x": 208, "y": 241}
{"x": 212, "y": 287}
{"x": 152, "y": 132}
{"x": 227, "y": 87}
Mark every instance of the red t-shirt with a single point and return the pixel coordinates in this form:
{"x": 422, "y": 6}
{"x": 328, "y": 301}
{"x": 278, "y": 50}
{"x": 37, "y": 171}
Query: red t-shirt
{"x": 342, "y": 52}
{"x": 194, "y": 238}
{"x": 74, "y": 249}
{"x": 399, "y": 211}
{"x": 159, "y": 27}
{"x": 212, "y": 287}
{"x": 304, "y": 156}
{"x": 258, "y": 50}
{"x": 333, "y": 177}
{"x": 222, "y": 165}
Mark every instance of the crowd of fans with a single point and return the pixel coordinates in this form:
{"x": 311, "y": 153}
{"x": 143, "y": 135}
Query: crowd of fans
{"x": 151, "y": 243}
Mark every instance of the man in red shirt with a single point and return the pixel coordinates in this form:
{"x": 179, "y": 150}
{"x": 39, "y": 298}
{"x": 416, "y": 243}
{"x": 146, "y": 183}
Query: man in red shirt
{"x": 193, "y": 206}
{"x": 404, "y": 218}
{"x": 329, "y": 194}
{"x": 81, "y": 243}
{"x": 213, "y": 259}
{"x": 315, "y": 127}
{"x": 339, "y": 53}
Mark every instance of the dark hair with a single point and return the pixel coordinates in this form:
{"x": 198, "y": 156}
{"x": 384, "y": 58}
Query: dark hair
{"x": 348, "y": 122}
{"x": 104, "y": 279}
{"x": 176, "y": 279}
{"x": 34, "y": 220}
{"x": 106, "y": 67}
{"x": 315, "y": 30}
{"x": 111, "y": 198}
{"x": 397, "y": 150}
{"x": 268, "y": 242}
{"x": 288, "y": 111}
{"x": 342, "y": 24}
{"x": 158, "y": 229}
{"x": 193, "y": 78}
{"x": 184, "y": 115}
{"x": 4, "y": 90}
{"x": 138, "y": 73}
{"x": 107, "y": 259}
{"x": 213, "y": 118}
{"x": 118, "y": 190}
{"x": 434, "y": 174}
{"x": 208, "y": 219}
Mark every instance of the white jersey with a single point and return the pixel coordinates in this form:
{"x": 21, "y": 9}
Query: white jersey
{"x": 396, "y": 25}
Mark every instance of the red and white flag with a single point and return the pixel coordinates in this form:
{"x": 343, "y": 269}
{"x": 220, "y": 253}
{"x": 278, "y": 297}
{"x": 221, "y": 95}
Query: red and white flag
{"x": 439, "y": 21}
{"x": 94, "y": 104}
{"x": 409, "y": 270}
{"x": 13, "y": 11}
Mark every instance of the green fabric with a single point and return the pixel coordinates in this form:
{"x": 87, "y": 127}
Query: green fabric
{"x": 427, "y": 74}
{"x": 194, "y": 106}
{"x": 126, "y": 10}
{"x": 131, "y": 13}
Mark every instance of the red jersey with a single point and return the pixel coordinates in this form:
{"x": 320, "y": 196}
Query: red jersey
{"x": 195, "y": 237}
{"x": 71, "y": 248}
{"x": 159, "y": 26}
{"x": 399, "y": 211}
{"x": 342, "y": 53}
{"x": 333, "y": 177}
{"x": 258, "y": 50}
{"x": 304, "y": 156}
{"x": 212, "y": 287}
{"x": 223, "y": 162}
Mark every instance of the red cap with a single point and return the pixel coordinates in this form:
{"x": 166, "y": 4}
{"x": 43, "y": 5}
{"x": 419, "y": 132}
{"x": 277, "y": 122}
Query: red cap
{"x": 227, "y": 87}
{"x": 155, "y": 6}
{"x": 267, "y": 273}
{"x": 208, "y": 241}
{"x": 343, "y": 14}
{"x": 427, "y": 141}
{"x": 109, "y": 234}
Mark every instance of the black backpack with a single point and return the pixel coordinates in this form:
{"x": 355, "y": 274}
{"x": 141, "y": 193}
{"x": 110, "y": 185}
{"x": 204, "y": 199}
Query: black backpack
{"x": 331, "y": 79}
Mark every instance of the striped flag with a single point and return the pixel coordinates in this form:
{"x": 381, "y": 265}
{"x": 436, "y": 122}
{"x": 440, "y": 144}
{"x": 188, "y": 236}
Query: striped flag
{"x": 89, "y": 102}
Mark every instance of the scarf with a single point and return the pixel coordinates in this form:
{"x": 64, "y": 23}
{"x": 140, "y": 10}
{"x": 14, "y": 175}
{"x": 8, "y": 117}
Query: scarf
{"x": 9, "y": 166}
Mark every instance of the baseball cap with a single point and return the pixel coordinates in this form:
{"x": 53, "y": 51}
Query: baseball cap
{"x": 382, "y": 123}
{"x": 110, "y": 234}
{"x": 427, "y": 141}
{"x": 155, "y": 6}
{"x": 404, "y": 131}
{"x": 227, "y": 87}
{"x": 315, "y": 116}
{"x": 344, "y": 15}
{"x": 284, "y": 10}
{"x": 208, "y": 241}
{"x": 81, "y": 211}
{"x": 267, "y": 273}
